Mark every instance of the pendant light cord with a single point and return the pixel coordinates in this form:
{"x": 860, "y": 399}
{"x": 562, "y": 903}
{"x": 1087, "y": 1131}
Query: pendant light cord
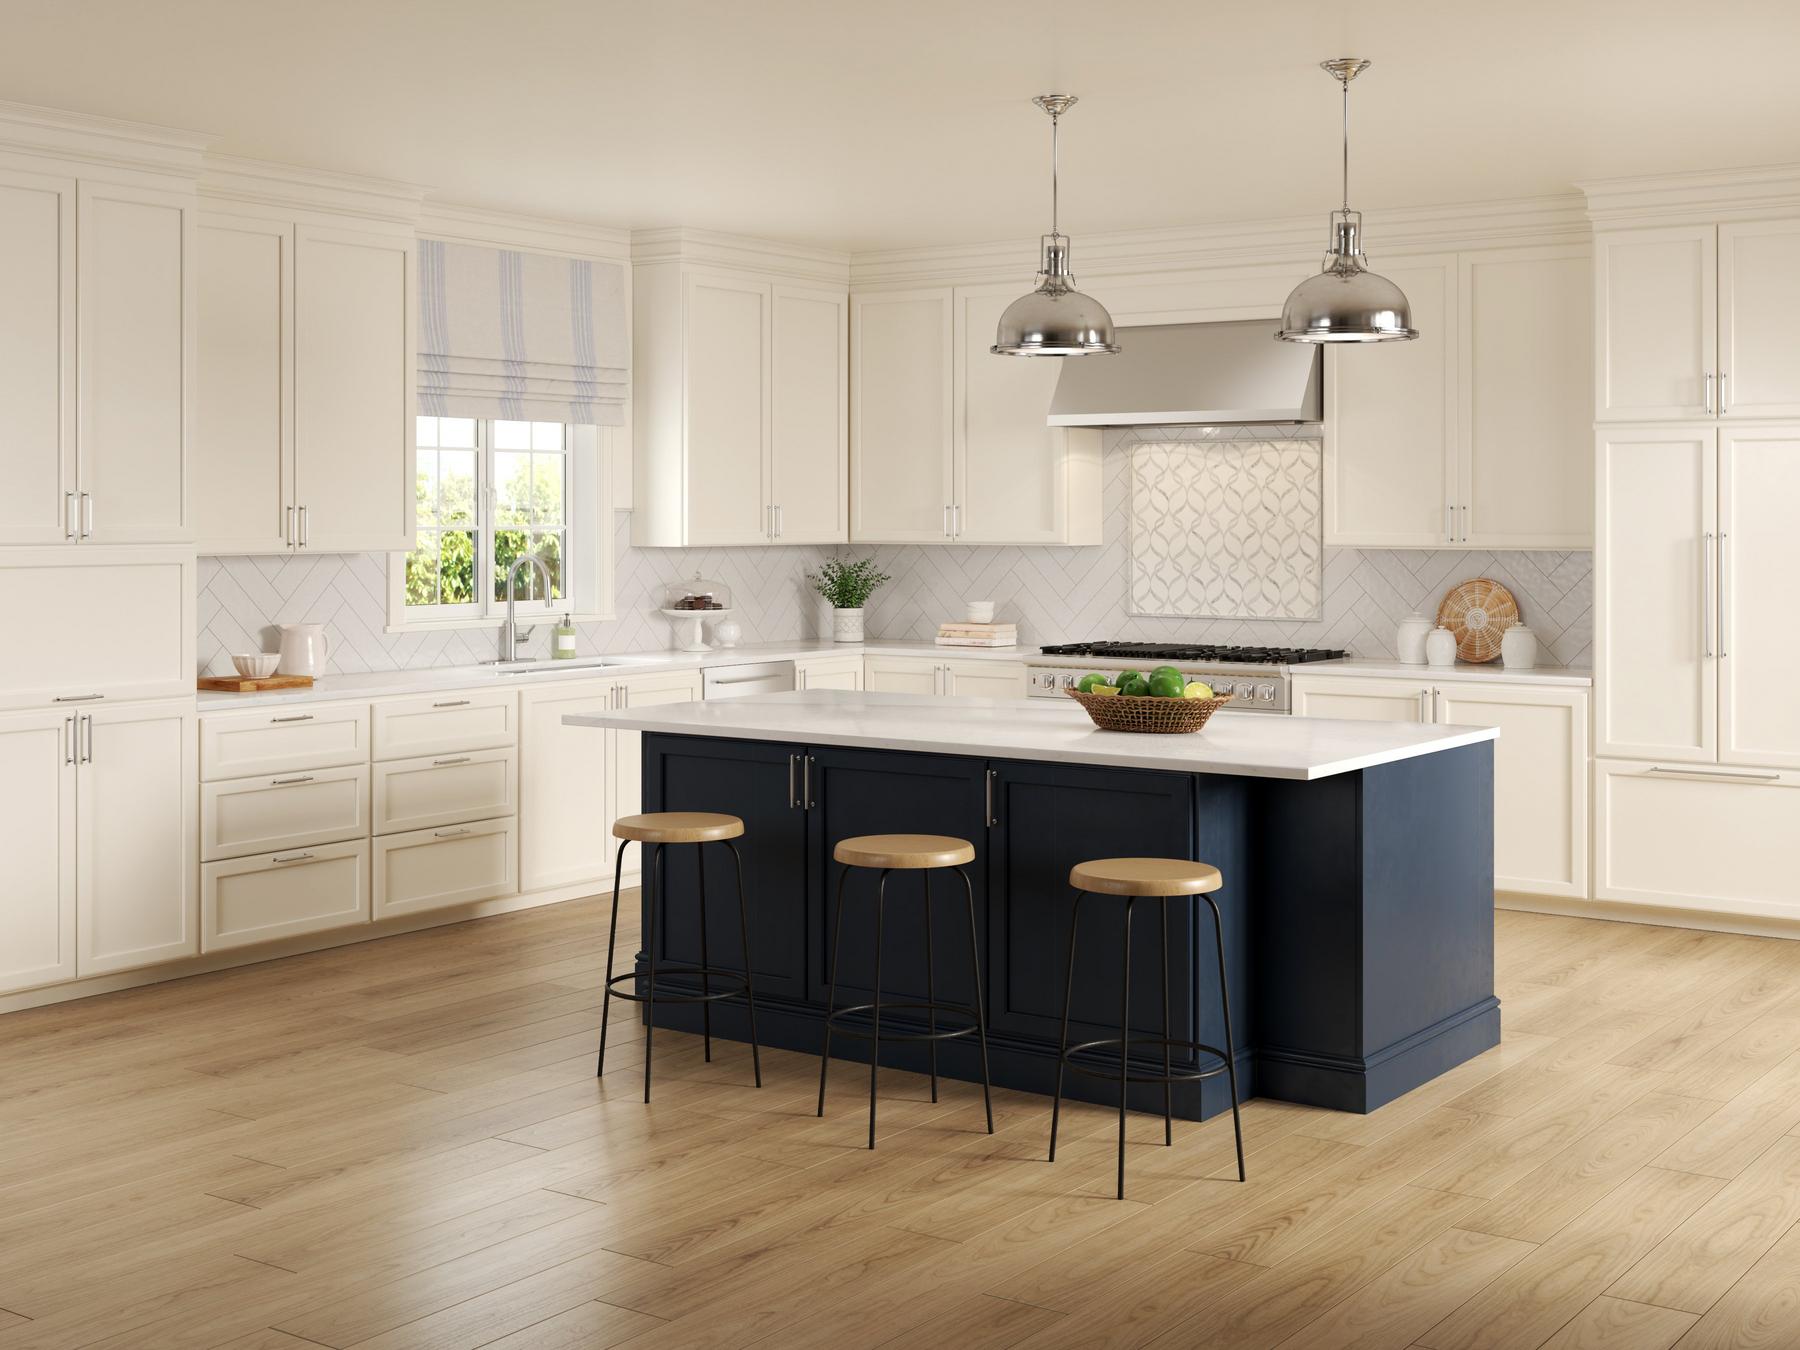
{"x": 1055, "y": 185}
{"x": 1346, "y": 83}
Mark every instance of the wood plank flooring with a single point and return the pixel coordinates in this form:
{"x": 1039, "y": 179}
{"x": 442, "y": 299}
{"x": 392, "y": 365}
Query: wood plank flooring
{"x": 401, "y": 1146}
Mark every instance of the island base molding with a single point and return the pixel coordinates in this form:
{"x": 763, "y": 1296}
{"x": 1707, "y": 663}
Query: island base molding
{"x": 1358, "y": 912}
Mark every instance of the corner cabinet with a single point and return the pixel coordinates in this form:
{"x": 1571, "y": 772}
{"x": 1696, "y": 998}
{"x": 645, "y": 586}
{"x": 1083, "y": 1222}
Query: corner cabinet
{"x": 740, "y": 391}
{"x": 948, "y": 442}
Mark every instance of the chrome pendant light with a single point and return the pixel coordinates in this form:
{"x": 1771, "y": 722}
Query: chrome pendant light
{"x": 1055, "y": 319}
{"x": 1346, "y": 302}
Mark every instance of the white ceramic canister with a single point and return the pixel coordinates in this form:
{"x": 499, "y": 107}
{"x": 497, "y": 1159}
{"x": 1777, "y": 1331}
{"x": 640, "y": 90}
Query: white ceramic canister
{"x": 1440, "y": 647}
{"x": 1518, "y": 648}
{"x": 304, "y": 649}
{"x": 727, "y": 633}
{"x": 1409, "y": 638}
{"x": 846, "y": 625}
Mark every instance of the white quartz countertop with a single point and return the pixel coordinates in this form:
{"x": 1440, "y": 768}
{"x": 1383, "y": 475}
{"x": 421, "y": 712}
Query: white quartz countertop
{"x": 1255, "y": 745}
{"x": 1463, "y": 670}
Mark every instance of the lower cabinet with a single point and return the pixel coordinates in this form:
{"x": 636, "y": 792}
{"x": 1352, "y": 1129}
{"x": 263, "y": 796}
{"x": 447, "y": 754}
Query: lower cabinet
{"x": 37, "y": 834}
{"x": 453, "y": 865}
{"x": 900, "y": 675}
{"x": 1362, "y": 700}
{"x": 625, "y": 765}
{"x": 565, "y": 814}
{"x": 984, "y": 679}
{"x": 242, "y": 816}
{"x": 931, "y": 675}
{"x": 244, "y": 901}
{"x": 417, "y": 794}
{"x": 830, "y": 672}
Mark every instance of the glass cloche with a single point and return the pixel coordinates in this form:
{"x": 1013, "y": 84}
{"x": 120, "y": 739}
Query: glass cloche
{"x": 697, "y": 596}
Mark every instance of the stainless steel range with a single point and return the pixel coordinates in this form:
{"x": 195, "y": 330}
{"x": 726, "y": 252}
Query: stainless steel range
{"x": 1257, "y": 676}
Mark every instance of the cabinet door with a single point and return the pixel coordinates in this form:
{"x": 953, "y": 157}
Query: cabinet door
{"x": 1656, "y": 673}
{"x": 135, "y": 342}
{"x": 901, "y": 394}
{"x": 565, "y": 833}
{"x": 435, "y": 869}
{"x": 985, "y": 679}
{"x": 37, "y": 830}
{"x": 1390, "y": 426}
{"x": 243, "y": 816}
{"x": 829, "y": 674}
{"x": 1010, "y": 483}
{"x": 419, "y": 794}
{"x": 276, "y": 741}
{"x": 1759, "y": 551}
{"x": 1362, "y": 700}
{"x": 627, "y": 763}
{"x": 727, "y": 329}
{"x": 901, "y": 675}
{"x": 244, "y": 901}
{"x": 37, "y": 357}
{"x": 136, "y": 865}
{"x": 1540, "y": 782}
{"x": 243, "y": 451}
{"x": 446, "y": 723}
{"x": 1526, "y": 469}
{"x": 809, "y": 447}
{"x": 1656, "y": 317}
{"x": 1759, "y": 293}
{"x": 353, "y": 381}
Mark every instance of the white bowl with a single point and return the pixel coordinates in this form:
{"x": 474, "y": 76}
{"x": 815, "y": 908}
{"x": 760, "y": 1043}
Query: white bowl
{"x": 255, "y": 665}
{"x": 981, "y": 611}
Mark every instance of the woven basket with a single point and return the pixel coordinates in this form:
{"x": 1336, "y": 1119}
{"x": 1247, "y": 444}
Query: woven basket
{"x": 1162, "y": 716}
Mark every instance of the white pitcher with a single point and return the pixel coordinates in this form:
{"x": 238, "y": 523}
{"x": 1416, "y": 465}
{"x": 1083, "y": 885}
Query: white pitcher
{"x": 304, "y": 649}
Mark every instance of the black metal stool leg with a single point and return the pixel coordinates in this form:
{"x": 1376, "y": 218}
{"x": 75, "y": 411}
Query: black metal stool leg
{"x": 837, "y": 939}
{"x": 930, "y": 987}
{"x": 1168, "y": 1087}
{"x": 1062, "y": 1047}
{"x": 1124, "y": 1038}
{"x": 656, "y": 898}
{"x": 1237, "y": 1127}
{"x": 612, "y": 936}
{"x": 987, "y": 1097}
{"x": 875, "y": 1040}
{"x": 705, "y": 956}
{"x": 744, "y": 934}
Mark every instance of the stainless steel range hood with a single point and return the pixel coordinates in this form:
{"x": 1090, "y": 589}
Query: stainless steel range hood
{"x": 1196, "y": 373}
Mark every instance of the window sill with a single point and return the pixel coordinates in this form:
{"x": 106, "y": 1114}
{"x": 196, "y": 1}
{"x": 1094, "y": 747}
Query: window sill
{"x": 490, "y": 622}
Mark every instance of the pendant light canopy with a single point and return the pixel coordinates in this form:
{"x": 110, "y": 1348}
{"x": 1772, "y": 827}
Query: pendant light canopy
{"x": 1055, "y": 319}
{"x": 1346, "y": 302}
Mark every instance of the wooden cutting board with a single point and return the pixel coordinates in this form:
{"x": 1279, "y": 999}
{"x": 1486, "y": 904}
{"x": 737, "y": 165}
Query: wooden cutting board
{"x": 250, "y": 684}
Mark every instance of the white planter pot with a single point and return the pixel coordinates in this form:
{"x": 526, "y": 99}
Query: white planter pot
{"x": 846, "y": 625}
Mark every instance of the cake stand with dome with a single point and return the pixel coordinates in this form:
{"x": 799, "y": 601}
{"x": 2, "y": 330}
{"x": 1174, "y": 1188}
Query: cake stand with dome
{"x": 690, "y": 604}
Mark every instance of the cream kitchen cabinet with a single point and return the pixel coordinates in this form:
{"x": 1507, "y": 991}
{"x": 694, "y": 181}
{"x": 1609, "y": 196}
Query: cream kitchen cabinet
{"x": 740, "y": 408}
{"x": 452, "y": 865}
{"x": 37, "y": 358}
{"x": 948, "y": 442}
{"x": 944, "y": 678}
{"x": 829, "y": 672}
{"x": 304, "y": 424}
{"x": 1695, "y": 321}
{"x": 263, "y": 897}
{"x": 37, "y": 830}
{"x": 1540, "y": 762}
{"x": 240, "y": 816}
{"x": 625, "y": 765}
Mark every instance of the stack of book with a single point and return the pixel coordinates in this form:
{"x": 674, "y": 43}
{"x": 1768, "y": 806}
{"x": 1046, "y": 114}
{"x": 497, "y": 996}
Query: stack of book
{"x": 978, "y": 635}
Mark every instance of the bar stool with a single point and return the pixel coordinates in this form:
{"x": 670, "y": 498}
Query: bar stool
{"x": 1160, "y": 879}
{"x": 910, "y": 853}
{"x": 658, "y": 829}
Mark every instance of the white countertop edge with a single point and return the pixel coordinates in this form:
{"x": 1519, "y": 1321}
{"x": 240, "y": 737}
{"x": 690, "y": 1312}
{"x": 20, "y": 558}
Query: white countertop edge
{"x": 1462, "y": 670}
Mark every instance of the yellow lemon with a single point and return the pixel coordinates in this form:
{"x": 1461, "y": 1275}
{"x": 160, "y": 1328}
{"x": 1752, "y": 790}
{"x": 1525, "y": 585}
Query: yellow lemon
{"x": 1198, "y": 689}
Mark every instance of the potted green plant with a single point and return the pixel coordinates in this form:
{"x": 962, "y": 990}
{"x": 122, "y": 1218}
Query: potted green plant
{"x": 847, "y": 584}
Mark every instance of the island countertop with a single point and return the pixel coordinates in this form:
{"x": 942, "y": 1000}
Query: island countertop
{"x": 1250, "y": 745}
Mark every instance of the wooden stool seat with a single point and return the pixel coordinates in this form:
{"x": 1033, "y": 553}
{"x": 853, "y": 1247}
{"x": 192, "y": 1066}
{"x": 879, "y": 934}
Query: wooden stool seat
{"x": 1145, "y": 876}
{"x": 909, "y": 851}
{"x": 678, "y": 827}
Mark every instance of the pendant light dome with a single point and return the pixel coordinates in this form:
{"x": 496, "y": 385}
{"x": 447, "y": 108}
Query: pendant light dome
{"x": 1346, "y": 302}
{"x": 1055, "y": 319}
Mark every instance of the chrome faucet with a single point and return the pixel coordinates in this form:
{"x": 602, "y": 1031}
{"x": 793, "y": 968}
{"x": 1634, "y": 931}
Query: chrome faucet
{"x": 509, "y": 631}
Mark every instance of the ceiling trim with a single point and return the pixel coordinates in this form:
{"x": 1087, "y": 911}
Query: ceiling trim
{"x": 292, "y": 187}
{"x": 1713, "y": 194}
{"x": 711, "y": 248}
{"x": 528, "y": 233}
{"x": 101, "y": 140}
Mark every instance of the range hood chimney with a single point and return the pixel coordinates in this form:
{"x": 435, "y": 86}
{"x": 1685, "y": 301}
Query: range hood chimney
{"x": 1200, "y": 374}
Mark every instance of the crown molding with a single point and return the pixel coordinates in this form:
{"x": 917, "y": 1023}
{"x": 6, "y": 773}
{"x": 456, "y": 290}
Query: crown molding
{"x": 713, "y": 249}
{"x": 109, "y": 141}
{"x": 292, "y": 187}
{"x": 532, "y": 234}
{"x": 1709, "y": 195}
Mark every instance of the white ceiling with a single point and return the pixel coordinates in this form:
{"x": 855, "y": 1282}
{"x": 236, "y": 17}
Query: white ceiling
{"x": 869, "y": 124}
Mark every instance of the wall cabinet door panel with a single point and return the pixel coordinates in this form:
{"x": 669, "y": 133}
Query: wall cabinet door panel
{"x": 727, "y": 341}
{"x": 1003, "y": 444}
{"x": 37, "y": 357}
{"x": 809, "y": 446}
{"x": 901, "y": 436}
{"x": 1656, "y": 322}
{"x": 37, "y": 831}
{"x": 1759, "y": 554}
{"x": 1759, "y": 295}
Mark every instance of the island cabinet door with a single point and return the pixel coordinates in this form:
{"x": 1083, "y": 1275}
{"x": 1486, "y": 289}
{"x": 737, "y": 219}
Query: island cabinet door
{"x": 1048, "y": 818}
{"x": 750, "y": 780}
{"x": 856, "y": 792}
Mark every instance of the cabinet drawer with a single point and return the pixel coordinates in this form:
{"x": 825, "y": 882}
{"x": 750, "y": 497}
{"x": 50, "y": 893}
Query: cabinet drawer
{"x": 444, "y": 723}
{"x": 454, "y": 865}
{"x": 416, "y": 794}
{"x": 267, "y": 815}
{"x": 275, "y": 742}
{"x": 277, "y": 895}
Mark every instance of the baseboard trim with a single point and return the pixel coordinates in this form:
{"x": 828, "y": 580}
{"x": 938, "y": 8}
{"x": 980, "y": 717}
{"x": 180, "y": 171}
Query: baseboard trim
{"x": 1343, "y": 1083}
{"x": 1662, "y": 916}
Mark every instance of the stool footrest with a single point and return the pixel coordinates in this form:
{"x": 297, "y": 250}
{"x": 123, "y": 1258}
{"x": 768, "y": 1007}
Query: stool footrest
{"x": 834, "y": 1020}
{"x": 738, "y": 985}
{"x": 1110, "y": 1073}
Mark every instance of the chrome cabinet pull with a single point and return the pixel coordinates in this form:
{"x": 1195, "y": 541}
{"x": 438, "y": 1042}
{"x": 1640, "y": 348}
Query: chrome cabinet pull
{"x": 87, "y": 738}
{"x": 806, "y": 782}
{"x": 1465, "y": 522}
{"x": 305, "y": 529}
{"x": 297, "y": 717}
{"x": 292, "y": 536}
{"x": 68, "y": 740}
{"x": 68, "y": 515}
{"x": 1722, "y": 408}
{"x": 284, "y": 782}
{"x": 78, "y": 698}
{"x": 449, "y": 834}
{"x": 1730, "y": 775}
{"x": 1724, "y": 612}
{"x": 1423, "y": 715}
{"x": 1707, "y": 585}
{"x": 1449, "y": 523}
{"x": 454, "y": 759}
{"x": 87, "y": 515}
{"x": 946, "y": 520}
{"x": 1707, "y": 400}
{"x": 956, "y": 520}
{"x": 793, "y": 800}
{"x": 1434, "y": 704}
{"x": 780, "y": 522}
{"x": 289, "y": 857}
{"x": 452, "y": 703}
{"x": 992, "y": 819}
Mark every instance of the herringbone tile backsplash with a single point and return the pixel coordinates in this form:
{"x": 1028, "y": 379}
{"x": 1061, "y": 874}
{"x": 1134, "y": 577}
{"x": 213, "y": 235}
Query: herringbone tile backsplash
{"x": 1055, "y": 594}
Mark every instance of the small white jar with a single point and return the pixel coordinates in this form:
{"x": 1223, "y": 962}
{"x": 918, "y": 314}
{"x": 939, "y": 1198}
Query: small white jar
{"x": 1440, "y": 648}
{"x": 1518, "y": 648}
{"x": 1409, "y": 638}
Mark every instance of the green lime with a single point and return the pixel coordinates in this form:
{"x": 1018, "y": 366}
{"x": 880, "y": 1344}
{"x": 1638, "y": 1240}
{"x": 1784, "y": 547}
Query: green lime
{"x": 1134, "y": 685}
{"x": 1104, "y": 689}
{"x": 1165, "y": 670}
{"x": 1124, "y": 676}
{"x": 1088, "y": 682}
{"x": 1166, "y": 684}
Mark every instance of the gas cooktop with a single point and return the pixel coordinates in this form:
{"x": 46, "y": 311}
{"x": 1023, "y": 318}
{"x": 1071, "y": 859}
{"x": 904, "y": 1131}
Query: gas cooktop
{"x": 1165, "y": 651}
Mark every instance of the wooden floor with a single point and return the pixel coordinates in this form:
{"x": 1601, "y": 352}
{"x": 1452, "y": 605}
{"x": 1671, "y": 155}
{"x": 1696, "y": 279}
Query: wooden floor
{"x": 402, "y": 1144}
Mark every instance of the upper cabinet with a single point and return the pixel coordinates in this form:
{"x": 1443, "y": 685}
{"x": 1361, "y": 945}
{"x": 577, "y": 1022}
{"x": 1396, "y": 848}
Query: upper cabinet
{"x": 948, "y": 442}
{"x": 96, "y": 360}
{"x": 1694, "y": 322}
{"x": 740, "y": 407}
{"x": 1477, "y": 434}
{"x": 305, "y": 368}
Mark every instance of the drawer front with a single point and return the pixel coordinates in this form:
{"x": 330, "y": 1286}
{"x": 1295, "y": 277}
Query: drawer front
{"x": 277, "y": 895}
{"x": 453, "y": 865}
{"x": 274, "y": 742}
{"x": 240, "y": 816}
{"x": 445, "y": 723}
{"x": 416, "y": 794}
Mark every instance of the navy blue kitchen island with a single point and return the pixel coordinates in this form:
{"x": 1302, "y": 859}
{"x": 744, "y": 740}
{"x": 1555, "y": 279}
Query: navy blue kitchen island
{"x": 1357, "y": 904}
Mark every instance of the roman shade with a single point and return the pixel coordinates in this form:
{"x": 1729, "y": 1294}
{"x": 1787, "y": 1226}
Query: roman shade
{"x": 531, "y": 336}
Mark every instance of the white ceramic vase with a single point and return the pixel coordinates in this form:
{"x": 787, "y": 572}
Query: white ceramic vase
{"x": 1409, "y": 638}
{"x": 727, "y": 633}
{"x": 1518, "y": 648}
{"x": 305, "y": 649}
{"x": 846, "y": 625}
{"x": 1440, "y": 648}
